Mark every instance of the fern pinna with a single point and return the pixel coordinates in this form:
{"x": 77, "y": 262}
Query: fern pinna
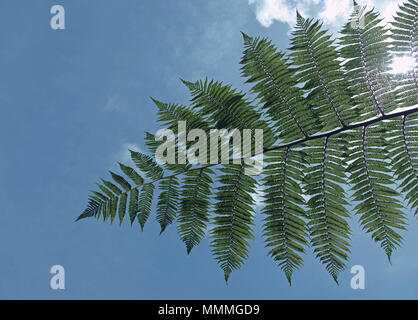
{"x": 338, "y": 126}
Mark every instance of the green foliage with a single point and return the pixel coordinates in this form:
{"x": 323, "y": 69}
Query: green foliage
{"x": 144, "y": 204}
{"x": 379, "y": 208}
{"x": 234, "y": 215}
{"x": 315, "y": 56}
{"x": 327, "y": 214}
{"x": 404, "y": 154}
{"x": 405, "y": 36}
{"x": 132, "y": 174}
{"x": 275, "y": 86}
{"x": 195, "y": 203}
{"x": 337, "y": 127}
{"x": 167, "y": 202}
{"x": 366, "y": 51}
{"x": 147, "y": 165}
{"x": 285, "y": 228}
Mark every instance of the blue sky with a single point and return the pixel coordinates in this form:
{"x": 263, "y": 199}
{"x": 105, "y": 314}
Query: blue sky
{"x": 73, "y": 101}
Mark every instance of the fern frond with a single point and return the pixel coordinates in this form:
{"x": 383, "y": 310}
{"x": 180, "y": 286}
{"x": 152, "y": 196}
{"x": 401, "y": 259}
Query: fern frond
{"x": 169, "y": 114}
{"x": 366, "y": 51}
{"x": 275, "y": 86}
{"x": 99, "y": 200}
{"x": 326, "y": 112}
{"x": 379, "y": 208}
{"x": 145, "y": 203}
{"x": 328, "y": 226}
{"x": 133, "y": 205}
{"x": 285, "y": 230}
{"x": 403, "y": 146}
{"x": 93, "y": 209}
{"x": 405, "y": 36}
{"x": 314, "y": 53}
{"x": 105, "y": 190}
{"x": 132, "y": 174}
{"x": 109, "y": 209}
{"x": 121, "y": 181}
{"x": 195, "y": 203}
{"x": 122, "y": 207}
{"x": 111, "y": 187}
{"x": 113, "y": 207}
{"x": 234, "y": 215}
{"x": 147, "y": 165}
{"x": 227, "y": 108}
{"x": 167, "y": 202}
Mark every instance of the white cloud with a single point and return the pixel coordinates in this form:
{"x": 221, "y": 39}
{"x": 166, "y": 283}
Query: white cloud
{"x": 388, "y": 9}
{"x": 269, "y": 10}
{"x": 336, "y": 11}
{"x": 403, "y": 64}
{"x": 333, "y": 12}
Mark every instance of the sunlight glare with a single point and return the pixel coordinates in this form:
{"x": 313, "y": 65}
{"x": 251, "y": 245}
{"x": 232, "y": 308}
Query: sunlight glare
{"x": 403, "y": 64}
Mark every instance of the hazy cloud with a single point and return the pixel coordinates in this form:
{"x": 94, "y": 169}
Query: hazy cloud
{"x": 113, "y": 102}
{"x": 123, "y": 155}
{"x": 333, "y": 12}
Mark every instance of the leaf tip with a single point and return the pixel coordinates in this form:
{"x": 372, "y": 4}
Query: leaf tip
{"x": 226, "y": 275}
{"x": 188, "y": 84}
{"x": 289, "y": 278}
{"x": 158, "y": 103}
{"x": 245, "y": 37}
{"x": 162, "y": 230}
{"x": 189, "y": 249}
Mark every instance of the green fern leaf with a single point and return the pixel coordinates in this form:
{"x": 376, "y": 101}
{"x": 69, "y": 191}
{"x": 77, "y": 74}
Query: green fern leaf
{"x": 132, "y": 174}
{"x": 145, "y": 203}
{"x": 195, "y": 204}
{"x": 121, "y": 181}
{"x": 146, "y": 164}
{"x": 379, "y": 208}
{"x": 327, "y": 109}
{"x": 234, "y": 215}
{"x": 92, "y": 210}
{"x": 122, "y": 206}
{"x": 227, "y": 108}
{"x": 328, "y": 226}
{"x": 275, "y": 85}
{"x": 111, "y": 187}
{"x": 316, "y": 56}
{"x": 403, "y": 147}
{"x": 133, "y": 205}
{"x": 167, "y": 202}
{"x": 366, "y": 51}
{"x": 285, "y": 228}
